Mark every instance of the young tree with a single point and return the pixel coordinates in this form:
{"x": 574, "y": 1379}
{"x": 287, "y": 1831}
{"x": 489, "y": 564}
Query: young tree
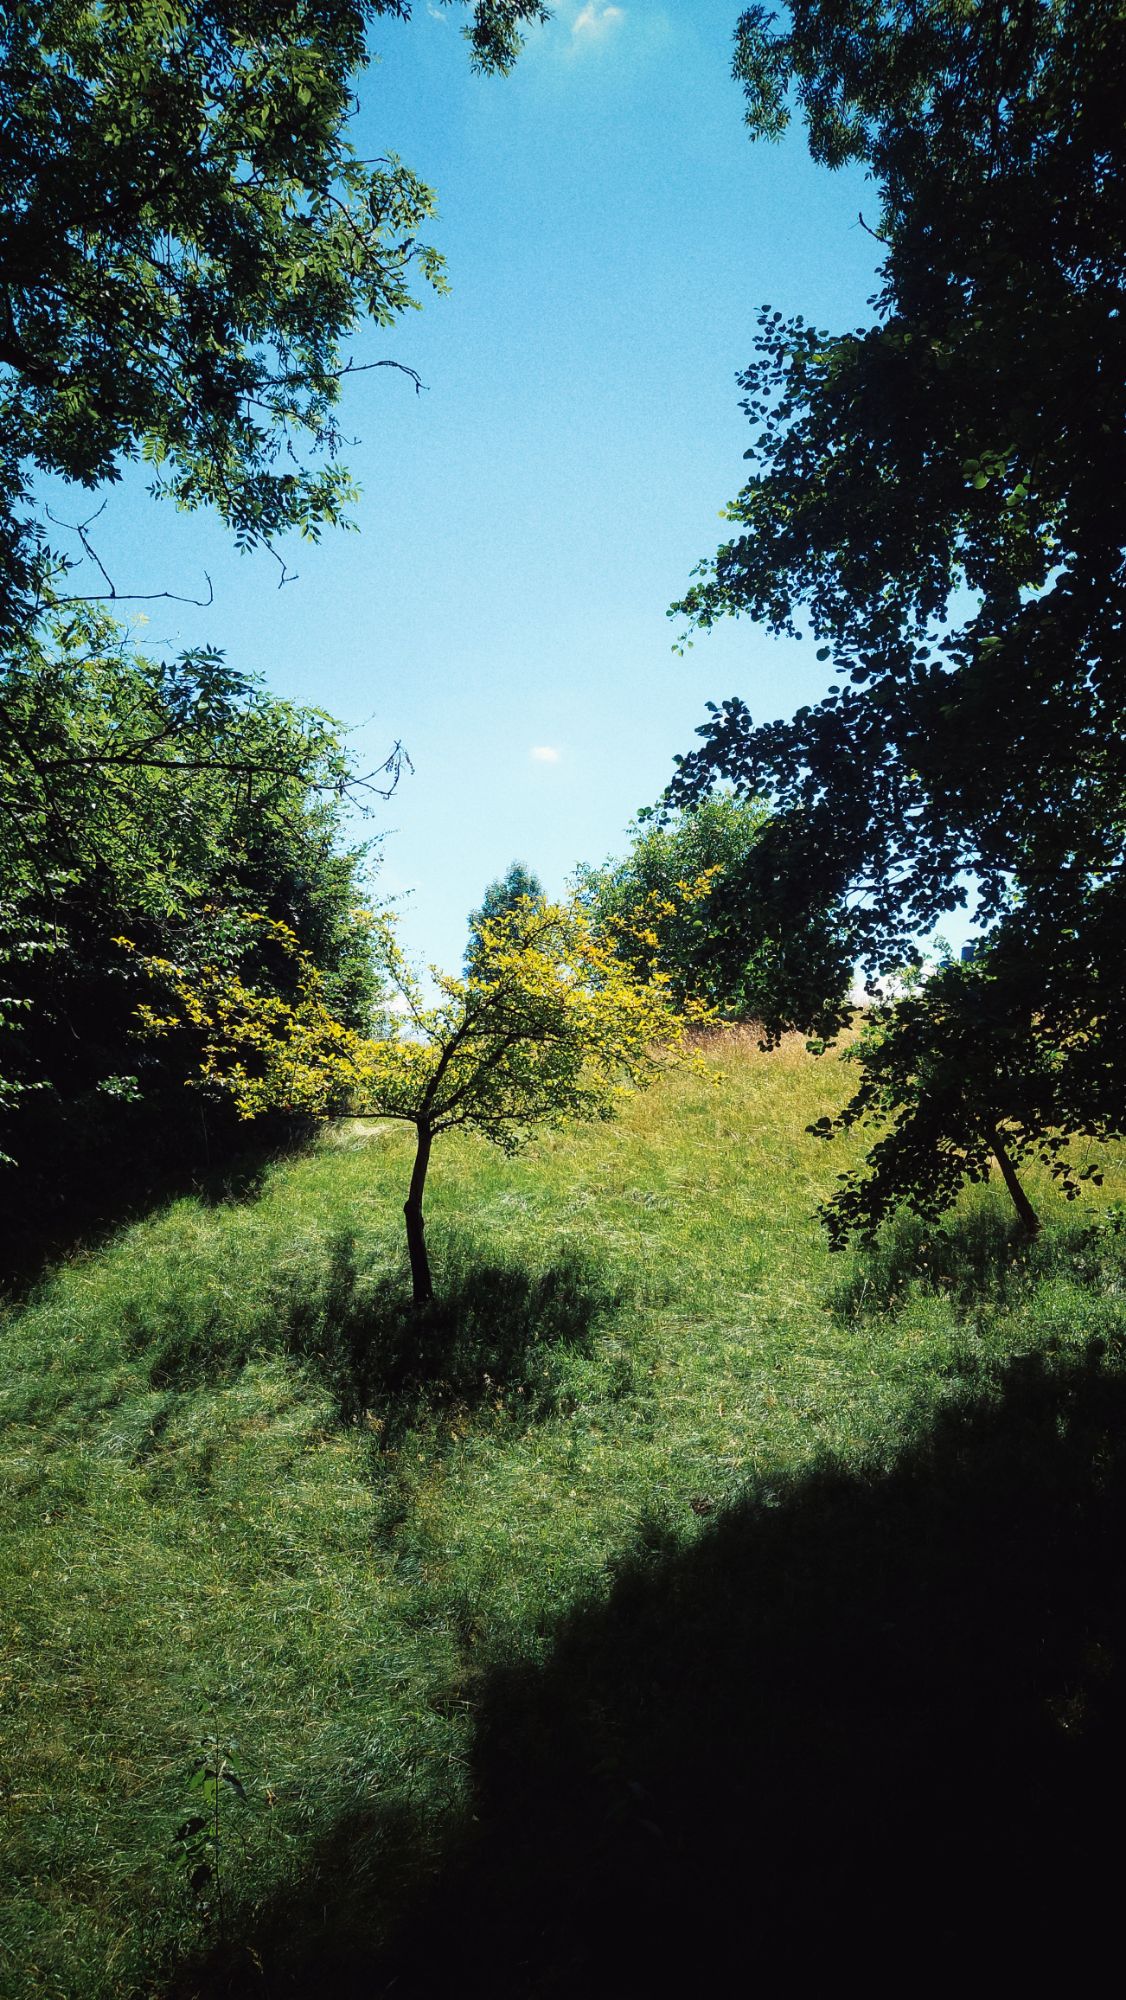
{"x": 551, "y": 1026}
{"x": 940, "y": 499}
{"x": 1004, "y": 1057}
{"x": 703, "y": 884}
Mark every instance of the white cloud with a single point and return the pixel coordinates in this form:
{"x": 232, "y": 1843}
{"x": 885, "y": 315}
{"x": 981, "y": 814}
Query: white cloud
{"x": 542, "y": 753}
{"x": 596, "y": 20}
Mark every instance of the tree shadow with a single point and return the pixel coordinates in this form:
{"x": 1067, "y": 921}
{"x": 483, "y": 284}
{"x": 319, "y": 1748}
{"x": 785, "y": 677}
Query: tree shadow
{"x": 495, "y": 1332}
{"x": 974, "y": 1255}
{"x": 80, "y": 1180}
{"x": 872, "y": 1730}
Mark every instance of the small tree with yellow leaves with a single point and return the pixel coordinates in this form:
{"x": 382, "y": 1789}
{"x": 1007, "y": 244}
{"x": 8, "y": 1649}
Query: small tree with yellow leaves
{"x": 552, "y": 1024}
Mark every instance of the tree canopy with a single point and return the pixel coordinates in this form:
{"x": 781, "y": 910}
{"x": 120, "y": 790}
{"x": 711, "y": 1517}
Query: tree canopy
{"x": 187, "y": 240}
{"x": 938, "y": 500}
{"x": 696, "y": 896}
{"x": 163, "y": 801}
{"x": 517, "y": 886}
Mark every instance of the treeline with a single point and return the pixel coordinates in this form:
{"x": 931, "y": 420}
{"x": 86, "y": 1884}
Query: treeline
{"x": 150, "y": 810}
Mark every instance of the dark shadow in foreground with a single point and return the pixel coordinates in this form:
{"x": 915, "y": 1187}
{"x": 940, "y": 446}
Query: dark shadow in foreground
{"x": 872, "y": 1733}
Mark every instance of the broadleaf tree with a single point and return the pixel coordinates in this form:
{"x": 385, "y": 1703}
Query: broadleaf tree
{"x": 188, "y": 241}
{"x": 518, "y": 887}
{"x": 937, "y": 499}
{"x": 705, "y": 883}
{"x": 552, "y": 1025}
{"x": 164, "y": 801}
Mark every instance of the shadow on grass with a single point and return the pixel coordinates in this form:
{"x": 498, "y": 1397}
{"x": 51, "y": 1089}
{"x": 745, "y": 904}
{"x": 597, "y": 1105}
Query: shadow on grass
{"x": 979, "y": 1255}
{"x": 871, "y": 1733}
{"x": 494, "y": 1333}
{"x": 83, "y": 1179}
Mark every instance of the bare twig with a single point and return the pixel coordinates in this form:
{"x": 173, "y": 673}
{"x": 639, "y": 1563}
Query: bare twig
{"x": 112, "y": 595}
{"x": 869, "y": 231}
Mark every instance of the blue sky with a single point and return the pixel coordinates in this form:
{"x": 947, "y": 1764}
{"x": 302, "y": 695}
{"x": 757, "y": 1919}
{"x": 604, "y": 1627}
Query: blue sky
{"x": 610, "y": 232}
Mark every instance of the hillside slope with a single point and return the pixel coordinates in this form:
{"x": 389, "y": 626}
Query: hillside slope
{"x": 257, "y": 1521}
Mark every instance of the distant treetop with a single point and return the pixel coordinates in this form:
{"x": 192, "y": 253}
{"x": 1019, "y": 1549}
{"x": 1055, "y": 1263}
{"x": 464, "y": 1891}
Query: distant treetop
{"x": 518, "y": 885}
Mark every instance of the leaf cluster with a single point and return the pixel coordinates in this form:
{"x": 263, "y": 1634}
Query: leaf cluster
{"x": 551, "y": 1025}
{"x": 1024, "y": 1039}
{"x": 720, "y": 934}
{"x": 163, "y": 801}
{"x": 188, "y": 238}
{"x": 517, "y": 886}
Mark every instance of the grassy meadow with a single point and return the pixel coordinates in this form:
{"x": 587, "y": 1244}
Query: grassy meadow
{"x": 676, "y": 1596}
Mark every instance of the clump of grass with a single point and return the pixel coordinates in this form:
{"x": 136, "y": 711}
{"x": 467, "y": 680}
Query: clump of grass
{"x": 250, "y": 1496}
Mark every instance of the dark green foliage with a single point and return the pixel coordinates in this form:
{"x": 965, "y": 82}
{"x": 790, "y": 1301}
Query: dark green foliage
{"x": 148, "y": 808}
{"x": 200, "y": 1842}
{"x": 188, "y": 237}
{"x": 939, "y": 498}
{"x": 1024, "y": 1041}
{"x": 517, "y": 885}
{"x": 736, "y": 948}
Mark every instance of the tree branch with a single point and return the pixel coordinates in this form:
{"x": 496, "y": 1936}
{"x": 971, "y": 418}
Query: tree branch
{"x": 112, "y": 595}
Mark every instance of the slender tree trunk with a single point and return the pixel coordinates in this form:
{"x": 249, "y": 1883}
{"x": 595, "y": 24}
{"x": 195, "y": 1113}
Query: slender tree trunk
{"x": 1030, "y": 1221}
{"x": 416, "y": 1229}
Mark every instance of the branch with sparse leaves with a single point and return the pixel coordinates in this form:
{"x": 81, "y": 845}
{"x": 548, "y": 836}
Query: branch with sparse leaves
{"x": 189, "y": 241}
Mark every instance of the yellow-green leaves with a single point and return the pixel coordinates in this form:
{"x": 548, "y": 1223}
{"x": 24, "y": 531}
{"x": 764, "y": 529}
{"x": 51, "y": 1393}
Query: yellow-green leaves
{"x": 552, "y": 1024}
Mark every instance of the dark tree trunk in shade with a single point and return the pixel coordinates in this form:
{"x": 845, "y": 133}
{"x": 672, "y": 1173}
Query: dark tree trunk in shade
{"x": 1029, "y": 1219}
{"x": 416, "y": 1229}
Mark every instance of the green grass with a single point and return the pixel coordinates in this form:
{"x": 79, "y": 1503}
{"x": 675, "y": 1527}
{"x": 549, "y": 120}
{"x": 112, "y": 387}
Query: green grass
{"x": 248, "y": 1499}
